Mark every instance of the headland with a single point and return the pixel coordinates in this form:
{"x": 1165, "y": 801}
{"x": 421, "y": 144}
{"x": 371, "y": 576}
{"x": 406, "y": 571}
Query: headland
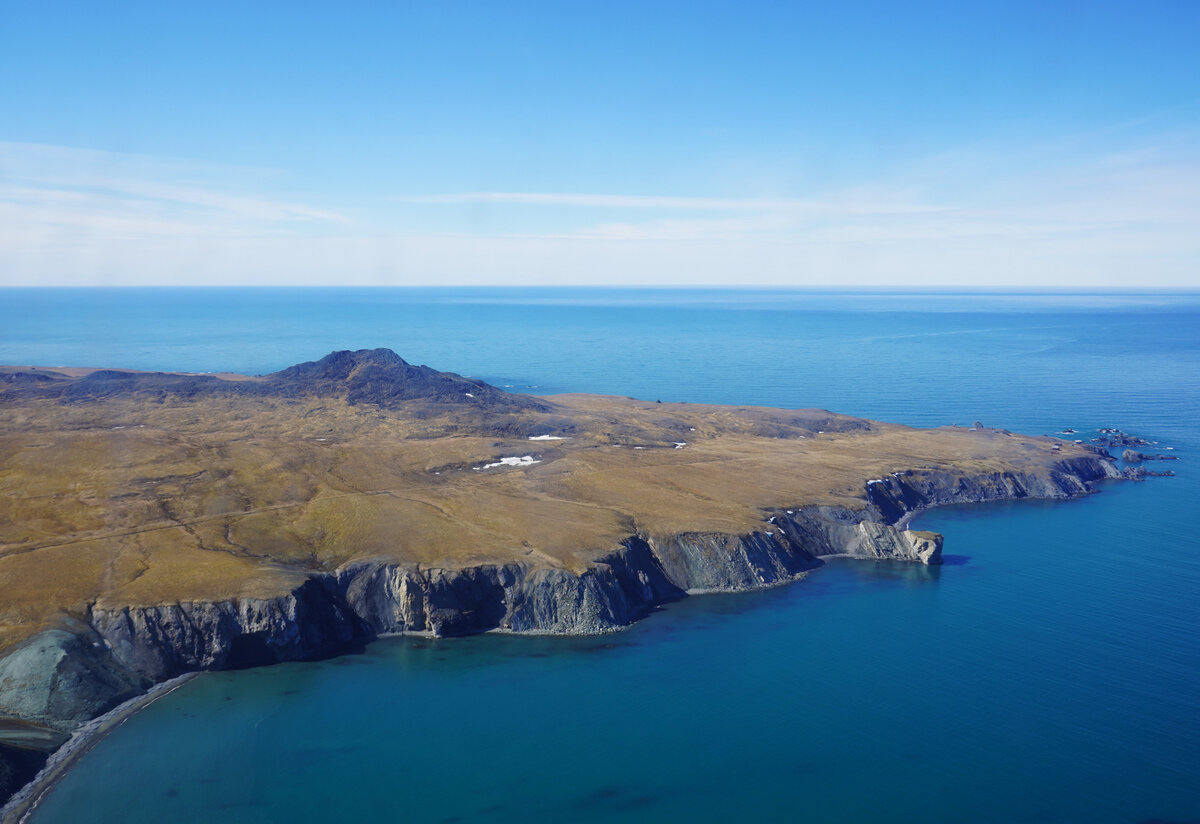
{"x": 156, "y": 524}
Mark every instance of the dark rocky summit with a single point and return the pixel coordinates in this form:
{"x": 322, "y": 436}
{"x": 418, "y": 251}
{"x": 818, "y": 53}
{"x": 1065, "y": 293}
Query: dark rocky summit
{"x": 366, "y": 376}
{"x": 383, "y": 378}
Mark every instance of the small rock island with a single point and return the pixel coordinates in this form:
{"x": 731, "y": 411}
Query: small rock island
{"x": 155, "y": 524}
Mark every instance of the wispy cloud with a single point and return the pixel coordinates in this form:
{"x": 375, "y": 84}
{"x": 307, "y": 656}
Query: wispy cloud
{"x": 1108, "y": 218}
{"x": 1093, "y": 200}
{"x": 671, "y": 203}
{"x": 73, "y": 193}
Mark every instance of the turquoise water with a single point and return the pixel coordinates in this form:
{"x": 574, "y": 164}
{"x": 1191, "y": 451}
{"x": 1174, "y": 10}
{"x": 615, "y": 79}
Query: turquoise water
{"x": 1049, "y": 672}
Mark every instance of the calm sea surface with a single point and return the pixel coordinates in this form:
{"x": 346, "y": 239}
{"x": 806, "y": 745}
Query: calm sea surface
{"x": 1049, "y": 672}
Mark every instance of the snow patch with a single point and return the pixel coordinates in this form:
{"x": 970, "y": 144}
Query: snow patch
{"x": 680, "y": 444}
{"x": 546, "y": 438}
{"x": 524, "y": 460}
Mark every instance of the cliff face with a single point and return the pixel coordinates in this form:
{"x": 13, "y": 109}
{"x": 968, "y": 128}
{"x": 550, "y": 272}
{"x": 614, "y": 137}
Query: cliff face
{"x": 903, "y": 493}
{"x": 160, "y": 642}
{"x": 59, "y": 679}
{"x": 133, "y": 646}
{"x": 623, "y": 586}
{"x": 365, "y": 599}
{"x": 615, "y": 590}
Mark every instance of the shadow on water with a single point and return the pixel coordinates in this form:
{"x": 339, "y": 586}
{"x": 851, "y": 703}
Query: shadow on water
{"x": 956, "y": 560}
{"x": 843, "y": 576}
{"x": 614, "y": 798}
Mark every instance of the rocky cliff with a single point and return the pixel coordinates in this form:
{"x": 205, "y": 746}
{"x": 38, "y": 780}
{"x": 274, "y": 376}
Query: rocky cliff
{"x": 60, "y": 678}
{"x": 160, "y": 642}
{"x": 902, "y": 494}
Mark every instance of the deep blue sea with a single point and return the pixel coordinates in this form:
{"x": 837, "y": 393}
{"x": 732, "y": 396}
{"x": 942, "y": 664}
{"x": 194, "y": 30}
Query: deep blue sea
{"x": 1049, "y": 672}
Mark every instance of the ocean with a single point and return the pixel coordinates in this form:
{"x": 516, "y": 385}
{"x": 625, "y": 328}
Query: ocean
{"x": 1048, "y": 672}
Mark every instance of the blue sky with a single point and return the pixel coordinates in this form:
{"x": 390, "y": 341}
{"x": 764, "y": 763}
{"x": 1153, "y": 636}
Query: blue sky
{"x": 1005, "y": 144}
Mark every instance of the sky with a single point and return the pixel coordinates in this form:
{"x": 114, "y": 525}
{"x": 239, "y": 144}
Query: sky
{"x": 1007, "y": 145}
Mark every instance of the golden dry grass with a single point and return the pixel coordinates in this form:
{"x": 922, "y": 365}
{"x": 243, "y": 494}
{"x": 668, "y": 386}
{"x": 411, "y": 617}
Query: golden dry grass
{"x": 126, "y": 502}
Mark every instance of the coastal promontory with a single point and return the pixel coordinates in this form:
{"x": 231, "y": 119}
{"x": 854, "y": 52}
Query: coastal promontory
{"x": 154, "y": 524}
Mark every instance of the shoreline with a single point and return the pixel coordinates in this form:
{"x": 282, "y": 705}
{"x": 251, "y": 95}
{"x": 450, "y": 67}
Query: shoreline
{"x": 22, "y": 805}
{"x": 24, "y": 802}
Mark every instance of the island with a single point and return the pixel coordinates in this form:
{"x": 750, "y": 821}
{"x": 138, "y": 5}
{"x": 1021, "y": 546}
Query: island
{"x": 158, "y": 524}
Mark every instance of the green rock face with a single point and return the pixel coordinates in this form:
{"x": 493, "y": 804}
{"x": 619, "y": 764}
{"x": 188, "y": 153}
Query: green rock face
{"x": 59, "y": 679}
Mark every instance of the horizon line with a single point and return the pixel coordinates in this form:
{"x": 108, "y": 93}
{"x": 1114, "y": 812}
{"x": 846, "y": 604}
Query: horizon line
{"x": 826, "y": 288}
